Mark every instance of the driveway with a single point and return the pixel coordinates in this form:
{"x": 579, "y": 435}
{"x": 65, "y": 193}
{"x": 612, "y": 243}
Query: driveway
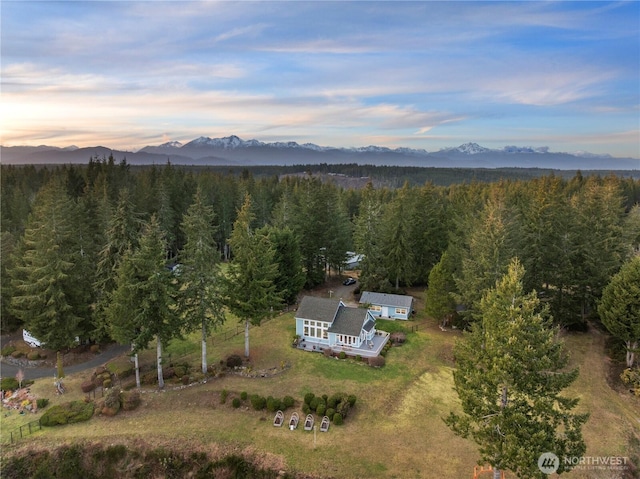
{"x": 8, "y": 370}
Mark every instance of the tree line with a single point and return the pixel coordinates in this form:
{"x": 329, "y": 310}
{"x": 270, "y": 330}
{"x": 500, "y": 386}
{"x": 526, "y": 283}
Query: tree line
{"x": 73, "y": 238}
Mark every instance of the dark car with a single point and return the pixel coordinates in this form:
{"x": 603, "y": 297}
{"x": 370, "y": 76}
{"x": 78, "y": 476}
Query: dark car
{"x": 349, "y": 281}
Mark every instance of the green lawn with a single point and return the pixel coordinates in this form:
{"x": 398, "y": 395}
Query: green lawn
{"x": 395, "y": 431}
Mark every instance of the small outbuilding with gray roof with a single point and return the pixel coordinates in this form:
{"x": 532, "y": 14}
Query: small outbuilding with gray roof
{"x": 389, "y": 306}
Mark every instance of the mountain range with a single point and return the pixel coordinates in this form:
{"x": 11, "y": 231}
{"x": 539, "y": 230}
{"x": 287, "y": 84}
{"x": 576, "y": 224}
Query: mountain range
{"x": 232, "y": 150}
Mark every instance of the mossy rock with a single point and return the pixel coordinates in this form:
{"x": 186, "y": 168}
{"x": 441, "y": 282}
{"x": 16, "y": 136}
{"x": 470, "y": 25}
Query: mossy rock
{"x": 16, "y": 354}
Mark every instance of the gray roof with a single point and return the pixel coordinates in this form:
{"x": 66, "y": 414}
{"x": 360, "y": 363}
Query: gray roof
{"x": 317, "y": 309}
{"x": 384, "y": 299}
{"x": 349, "y": 321}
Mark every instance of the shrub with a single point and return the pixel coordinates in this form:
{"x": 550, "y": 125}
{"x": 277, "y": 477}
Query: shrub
{"x": 9, "y": 384}
{"x": 223, "y": 396}
{"x": 67, "y": 413}
{"x": 342, "y": 355}
{"x": 377, "y": 362}
{"x": 273, "y": 404}
{"x": 306, "y": 409}
{"x": 244, "y": 395}
{"x": 180, "y": 371}
{"x": 631, "y": 379}
{"x": 33, "y": 356}
{"x": 185, "y": 379}
{"x": 358, "y": 358}
{"x": 87, "y": 386}
{"x": 131, "y": 400}
{"x": 313, "y": 404}
{"x": 258, "y": 402}
{"x": 42, "y": 403}
{"x": 330, "y": 412}
{"x": 236, "y": 403}
{"x": 308, "y": 398}
{"x": 112, "y": 399}
{"x": 8, "y": 350}
{"x": 234, "y": 361}
{"x": 16, "y": 354}
{"x": 106, "y": 384}
{"x": 352, "y": 399}
{"x": 337, "y": 419}
{"x": 321, "y": 409}
{"x": 288, "y": 402}
{"x": 95, "y": 348}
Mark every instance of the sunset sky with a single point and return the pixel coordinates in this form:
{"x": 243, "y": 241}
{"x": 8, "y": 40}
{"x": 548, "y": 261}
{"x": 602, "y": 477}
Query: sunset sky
{"x": 125, "y": 74}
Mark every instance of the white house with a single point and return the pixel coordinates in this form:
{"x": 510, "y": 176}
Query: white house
{"x": 323, "y": 323}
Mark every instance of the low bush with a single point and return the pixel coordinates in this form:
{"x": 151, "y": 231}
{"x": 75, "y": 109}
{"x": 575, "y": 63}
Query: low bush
{"x": 320, "y": 410}
{"x": 258, "y": 402}
{"x": 352, "y": 399}
{"x": 377, "y": 362}
{"x": 9, "y": 384}
{"x": 288, "y": 402}
{"x": 236, "y": 403}
{"x": 121, "y": 367}
{"x": 33, "y": 355}
{"x": 16, "y": 354}
{"x": 42, "y": 403}
{"x": 106, "y": 384}
{"x": 342, "y": 355}
{"x": 631, "y": 378}
{"x": 130, "y": 400}
{"x": 306, "y": 409}
{"x": 234, "y": 361}
{"x": 273, "y": 404}
{"x": 223, "y": 396}
{"x": 87, "y": 386}
{"x": 244, "y": 395}
{"x": 330, "y": 412}
{"x": 185, "y": 379}
{"x": 7, "y": 350}
{"x": 337, "y": 419}
{"x": 95, "y": 348}
{"x": 67, "y": 413}
{"x": 308, "y": 398}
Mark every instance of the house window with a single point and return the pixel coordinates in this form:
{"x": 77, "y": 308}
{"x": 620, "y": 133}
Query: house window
{"x": 401, "y": 311}
{"x": 375, "y": 308}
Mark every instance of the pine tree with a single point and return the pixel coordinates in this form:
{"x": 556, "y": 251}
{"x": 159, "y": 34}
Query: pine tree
{"x": 290, "y": 278}
{"x": 509, "y": 378}
{"x": 439, "y": 301}
{"x": 48, "y": 275}
{"x": 200, "y": 299}
{"x": 121, "y": 236}
{"x": 396, "y": 236}
{"x": 250, "y": 290}
{"x": 367, "y": 240}
{"x": 487, "y": 254}
{"x": 142, "y": 306}
{"x": 619, "y": 308}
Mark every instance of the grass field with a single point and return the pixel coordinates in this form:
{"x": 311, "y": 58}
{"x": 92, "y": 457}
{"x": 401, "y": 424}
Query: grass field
{"x": 395, "y": 431}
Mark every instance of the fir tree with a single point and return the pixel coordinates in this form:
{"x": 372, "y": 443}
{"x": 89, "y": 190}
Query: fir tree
{"x": 200, "y": 300}
{"x": 509, "y": 378}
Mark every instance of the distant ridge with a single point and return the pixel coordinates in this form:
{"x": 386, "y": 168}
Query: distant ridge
{"x": 232, "y": 150}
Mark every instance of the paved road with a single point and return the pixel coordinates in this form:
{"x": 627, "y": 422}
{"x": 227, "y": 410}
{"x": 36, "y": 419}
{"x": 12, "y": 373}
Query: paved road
{"x": 9, "y": 370}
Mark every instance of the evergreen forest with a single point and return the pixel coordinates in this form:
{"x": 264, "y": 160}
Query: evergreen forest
{"x": 77, "y": 239}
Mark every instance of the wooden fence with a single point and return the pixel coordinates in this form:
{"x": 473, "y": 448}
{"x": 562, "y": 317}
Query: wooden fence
{"x": 24, "y": 430}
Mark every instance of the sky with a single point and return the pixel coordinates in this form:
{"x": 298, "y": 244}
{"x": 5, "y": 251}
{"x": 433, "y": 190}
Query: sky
{"x": 420, "y": 74}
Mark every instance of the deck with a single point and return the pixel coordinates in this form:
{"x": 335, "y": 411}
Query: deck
{"x": 366, "y": 350}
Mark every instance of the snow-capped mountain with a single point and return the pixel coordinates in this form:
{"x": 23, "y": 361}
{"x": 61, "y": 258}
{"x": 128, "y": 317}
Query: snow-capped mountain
{"x": 232, "y": 150}
{"x": 467, "y": 149}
